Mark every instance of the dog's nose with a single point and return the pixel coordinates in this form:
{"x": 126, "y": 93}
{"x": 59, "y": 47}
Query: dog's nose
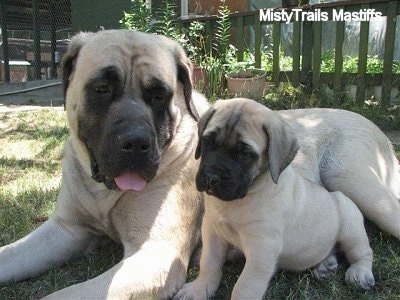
{"x": 212, "y": 180}
{"x": 134, "y": 141}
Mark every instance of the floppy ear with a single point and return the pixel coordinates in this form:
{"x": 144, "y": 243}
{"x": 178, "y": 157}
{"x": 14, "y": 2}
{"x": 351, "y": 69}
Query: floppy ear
{"x": 184, "y": 67}
{"x": 282, "y": 144}
{"x": 69, "y": 58}
{"x": 201, "y": 125}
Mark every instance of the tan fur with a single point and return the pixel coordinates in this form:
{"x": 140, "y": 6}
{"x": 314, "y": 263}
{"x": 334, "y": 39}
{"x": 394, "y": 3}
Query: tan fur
{"x": 157, "y": 226}
{"x": 283, "y": 222}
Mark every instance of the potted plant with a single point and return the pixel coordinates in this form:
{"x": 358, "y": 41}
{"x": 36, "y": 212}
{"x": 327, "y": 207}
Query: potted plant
{"x": 243, "y": 80}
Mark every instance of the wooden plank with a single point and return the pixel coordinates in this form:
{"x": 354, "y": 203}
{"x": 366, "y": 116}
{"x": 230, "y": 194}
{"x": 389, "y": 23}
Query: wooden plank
{"x": 209, "y": 35}
{"x": 337, "y": 83}
{"x": 296, "y": 53}
{"x": 240, "y": 38}
{"x": 257, "y": 42}
{"x": 362, "y": 59}
{"x": 306, "y": 50}
{"x": 389, "y": 52}
{"x": 317, "y": 41}
{"x": 36, "y": 41}
{"x": 4, "y": 46}
{"x": 276, "y": 41}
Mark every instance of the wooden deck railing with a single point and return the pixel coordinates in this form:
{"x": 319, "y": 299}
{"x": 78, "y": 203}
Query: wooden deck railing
{"x": 307, "y": 47}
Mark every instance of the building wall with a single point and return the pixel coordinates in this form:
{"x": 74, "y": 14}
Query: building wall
{"x": 204, "y": 7}
{"x": 88, "y": 15}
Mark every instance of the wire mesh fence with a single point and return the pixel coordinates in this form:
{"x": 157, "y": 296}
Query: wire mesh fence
{"x": 34, "y": 36}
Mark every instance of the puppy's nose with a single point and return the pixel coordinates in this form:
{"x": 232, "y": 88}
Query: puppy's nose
{"x": 212, "y": 181}
{"x": 134, "y": 141}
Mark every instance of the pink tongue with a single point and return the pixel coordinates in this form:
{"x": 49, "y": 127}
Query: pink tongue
{"x": 130, "y": 181}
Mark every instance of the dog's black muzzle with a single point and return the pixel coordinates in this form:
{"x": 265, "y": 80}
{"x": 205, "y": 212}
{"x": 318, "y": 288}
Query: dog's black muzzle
{"x": 221, "y": 182}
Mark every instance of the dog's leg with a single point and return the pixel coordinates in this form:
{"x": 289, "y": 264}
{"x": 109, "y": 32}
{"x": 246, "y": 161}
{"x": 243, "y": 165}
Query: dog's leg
{"x": 50, "y": 245}
{"x": 212, "y": 259}
{"x": 261, "y": 259}
{"x": 156, "y": 271}
{"x": 353, "y": 241}
{"x": 371, "y": 196}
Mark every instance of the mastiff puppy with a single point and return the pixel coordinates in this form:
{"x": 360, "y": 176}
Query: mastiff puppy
{"x": 259, "y": 203}
{"x": 128, "y": 171}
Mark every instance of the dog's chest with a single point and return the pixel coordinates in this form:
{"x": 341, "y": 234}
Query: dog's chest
{"x": 227, "y": 221}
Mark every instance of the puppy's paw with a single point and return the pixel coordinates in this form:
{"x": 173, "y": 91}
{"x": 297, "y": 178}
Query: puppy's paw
{"x": 325, "y": 270}
{"x": 360, "y": 276}
{"x": 195, "y": 290}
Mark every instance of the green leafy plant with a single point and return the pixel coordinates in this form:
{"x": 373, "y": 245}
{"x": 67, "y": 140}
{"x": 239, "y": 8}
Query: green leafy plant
{"x": 233, "y": 66}
{"x": 350, "y": 64}
{"x": 139, "y": 17}
{"x": 167, "y": 23}
{"x": 222, "y": 32}
{"x": 194, "y": 42}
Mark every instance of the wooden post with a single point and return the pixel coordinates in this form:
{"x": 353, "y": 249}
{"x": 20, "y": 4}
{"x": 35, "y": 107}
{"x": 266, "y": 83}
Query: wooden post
{"x": 296, "y": 53}
{"x": 316, "y": 61}
{"x": 362, "y": 59}
{"x": 6, "y": 56}
{"x": 389, "y": 52}
{"x": 36, "y": 41}
{"x": 53, "y": 40}
{"x": 338, "y": 88}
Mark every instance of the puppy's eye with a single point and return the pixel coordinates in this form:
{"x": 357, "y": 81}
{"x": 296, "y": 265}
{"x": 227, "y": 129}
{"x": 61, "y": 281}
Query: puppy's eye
{"x": 246, "y": 152}
{"x": 102, "y": 89}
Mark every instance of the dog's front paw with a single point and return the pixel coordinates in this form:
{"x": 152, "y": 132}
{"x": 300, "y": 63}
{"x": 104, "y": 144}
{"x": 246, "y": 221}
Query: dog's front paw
{"x": 195, "y": 290}
{"x": 325, "y": 270}
{"x": 360, "y": 276}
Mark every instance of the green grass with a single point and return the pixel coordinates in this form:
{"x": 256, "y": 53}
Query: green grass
{"x": 31, "y": 146}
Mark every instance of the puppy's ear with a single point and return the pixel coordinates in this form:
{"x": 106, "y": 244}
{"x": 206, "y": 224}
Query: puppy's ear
{"x": 282, "y": 144}
{"x": 184, "y": 67}
{"x": 202, "y": 125}
{"x": 69, "y": 58}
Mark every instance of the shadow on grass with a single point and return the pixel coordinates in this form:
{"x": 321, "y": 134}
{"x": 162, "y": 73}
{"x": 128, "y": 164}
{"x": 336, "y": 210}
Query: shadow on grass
{"x": 75, "y": 271}
{"x": 22, "y": 213}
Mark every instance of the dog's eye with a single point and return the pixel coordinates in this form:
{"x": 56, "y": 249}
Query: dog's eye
{"x": 158, "y": 97}
{"x": 208, "y": 142}
{"x": 102, "y": 89}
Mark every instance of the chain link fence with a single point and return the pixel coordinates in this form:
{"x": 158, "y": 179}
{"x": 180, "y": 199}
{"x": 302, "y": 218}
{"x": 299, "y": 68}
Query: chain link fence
{"x": 34, "y": 36}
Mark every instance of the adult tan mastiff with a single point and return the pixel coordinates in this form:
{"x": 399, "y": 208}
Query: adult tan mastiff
{"x": 128, "y": 170}
{"x": 257, "y": 202}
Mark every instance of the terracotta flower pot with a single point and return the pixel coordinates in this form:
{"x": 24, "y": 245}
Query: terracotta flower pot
{"x": 249, "y": 84}
{"x": 198, "y": 74}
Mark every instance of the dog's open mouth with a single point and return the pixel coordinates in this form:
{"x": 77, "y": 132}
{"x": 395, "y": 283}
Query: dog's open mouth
{"x": 210, "y": 192}
{"x": 130, "y": 181}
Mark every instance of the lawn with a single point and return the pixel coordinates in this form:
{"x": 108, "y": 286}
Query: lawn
{"x": 31, "y": 146}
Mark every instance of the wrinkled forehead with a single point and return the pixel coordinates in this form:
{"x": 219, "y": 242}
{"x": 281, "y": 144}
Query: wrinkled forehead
{"x": 232, "y": 125}
{"x": 132, "y": 59}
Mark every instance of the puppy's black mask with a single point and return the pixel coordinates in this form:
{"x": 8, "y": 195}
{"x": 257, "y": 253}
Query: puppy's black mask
{"x": 227, "y": 164}
{"x": 226, "y": 171}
